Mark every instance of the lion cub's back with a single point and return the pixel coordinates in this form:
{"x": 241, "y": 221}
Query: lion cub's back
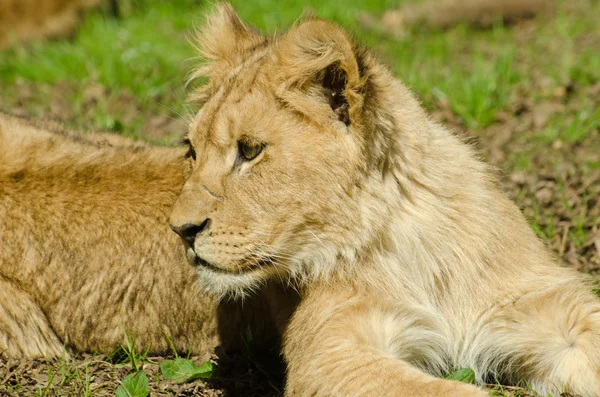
{"x": 19, "y": 136}
{"x": 84, "y": 231}
{"x": 50, "y": 176}
{"x": 58, "y": 186}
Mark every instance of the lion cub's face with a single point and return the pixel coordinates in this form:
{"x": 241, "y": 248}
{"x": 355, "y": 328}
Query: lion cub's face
{"x": 274, "y": 158}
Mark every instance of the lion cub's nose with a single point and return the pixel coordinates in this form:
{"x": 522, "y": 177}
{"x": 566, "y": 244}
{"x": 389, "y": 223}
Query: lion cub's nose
{"x": 189, "y": 231}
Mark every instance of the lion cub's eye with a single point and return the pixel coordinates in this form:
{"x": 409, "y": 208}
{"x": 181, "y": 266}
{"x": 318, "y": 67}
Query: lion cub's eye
{"x": 248, "y": 151}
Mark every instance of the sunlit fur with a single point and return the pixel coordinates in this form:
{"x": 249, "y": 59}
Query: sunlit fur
{"x": 409, "y": 259}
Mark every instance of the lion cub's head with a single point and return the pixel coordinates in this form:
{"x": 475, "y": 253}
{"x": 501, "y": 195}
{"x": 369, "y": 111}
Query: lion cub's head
{"x": 280, "y": 160}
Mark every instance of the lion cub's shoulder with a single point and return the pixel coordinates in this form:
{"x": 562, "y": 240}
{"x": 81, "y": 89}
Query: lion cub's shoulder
{"x": 48, "y": 147}
{"x": 30, "y": 130}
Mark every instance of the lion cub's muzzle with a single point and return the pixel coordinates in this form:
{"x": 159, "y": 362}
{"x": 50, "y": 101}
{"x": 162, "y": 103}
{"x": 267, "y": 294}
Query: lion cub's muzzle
{"x": 189, "y": 231}
{"x": 222, "y": 251}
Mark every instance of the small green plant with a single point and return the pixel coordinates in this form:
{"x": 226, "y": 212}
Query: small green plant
{"x": 134, "y": 385}
{"x": 465, "y": 375}
{"x": 185, "y": 370}
{"x": 127, "y": 354}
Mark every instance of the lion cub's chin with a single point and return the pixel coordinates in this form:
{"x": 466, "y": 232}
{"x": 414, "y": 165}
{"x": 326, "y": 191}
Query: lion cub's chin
{"x": 221, "y": 283}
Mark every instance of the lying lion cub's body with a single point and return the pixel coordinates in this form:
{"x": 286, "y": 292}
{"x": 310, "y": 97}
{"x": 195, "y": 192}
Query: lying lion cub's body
{"x": 86, "y": 250}
{"x": 309, "y": 162}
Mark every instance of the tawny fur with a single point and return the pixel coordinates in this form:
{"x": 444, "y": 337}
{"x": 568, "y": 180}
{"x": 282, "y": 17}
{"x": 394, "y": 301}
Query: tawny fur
{"x": 408, "y": 258}
{"x": 25, "y": 20}
{"x": 87, "y": 253}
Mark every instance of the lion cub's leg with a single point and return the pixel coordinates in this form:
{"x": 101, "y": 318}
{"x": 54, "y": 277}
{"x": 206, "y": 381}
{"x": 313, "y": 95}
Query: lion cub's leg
{"x": 554, "y": 338}
{"x": 349, "y": 346}
{"x": 24, "y": 330}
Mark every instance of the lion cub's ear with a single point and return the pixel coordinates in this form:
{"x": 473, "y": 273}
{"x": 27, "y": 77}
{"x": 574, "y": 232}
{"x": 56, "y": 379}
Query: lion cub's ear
{"x": 320, "y": 59}
{"x": 224, "y": 36}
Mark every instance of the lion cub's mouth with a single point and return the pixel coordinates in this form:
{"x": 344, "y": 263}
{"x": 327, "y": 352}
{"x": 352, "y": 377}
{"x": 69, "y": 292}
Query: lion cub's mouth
{"x": 257, "y": 264}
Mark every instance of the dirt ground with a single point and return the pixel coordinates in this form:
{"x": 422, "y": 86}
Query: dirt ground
{"x": 555, "y": 182}
{"x": 95, "y": 375}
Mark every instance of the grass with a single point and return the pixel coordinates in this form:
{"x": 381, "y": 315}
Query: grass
{"x": 125, "y": 74}
{"x": 145, "y": 55}
{"x": 542, "y": 225}
{"x": 573, "y": 127}
{"x": 116, "y": 53}
{"x": 484, "y": 92}
{"x": 60, "y": 373}
{"x": 475, "y": 74}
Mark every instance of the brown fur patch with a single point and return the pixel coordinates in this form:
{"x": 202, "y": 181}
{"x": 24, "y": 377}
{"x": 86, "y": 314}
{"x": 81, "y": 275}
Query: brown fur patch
{"x": 26, "y": 20}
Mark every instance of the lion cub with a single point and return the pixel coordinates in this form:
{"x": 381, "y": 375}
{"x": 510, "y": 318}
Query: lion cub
{"x": 310, "y": 163}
